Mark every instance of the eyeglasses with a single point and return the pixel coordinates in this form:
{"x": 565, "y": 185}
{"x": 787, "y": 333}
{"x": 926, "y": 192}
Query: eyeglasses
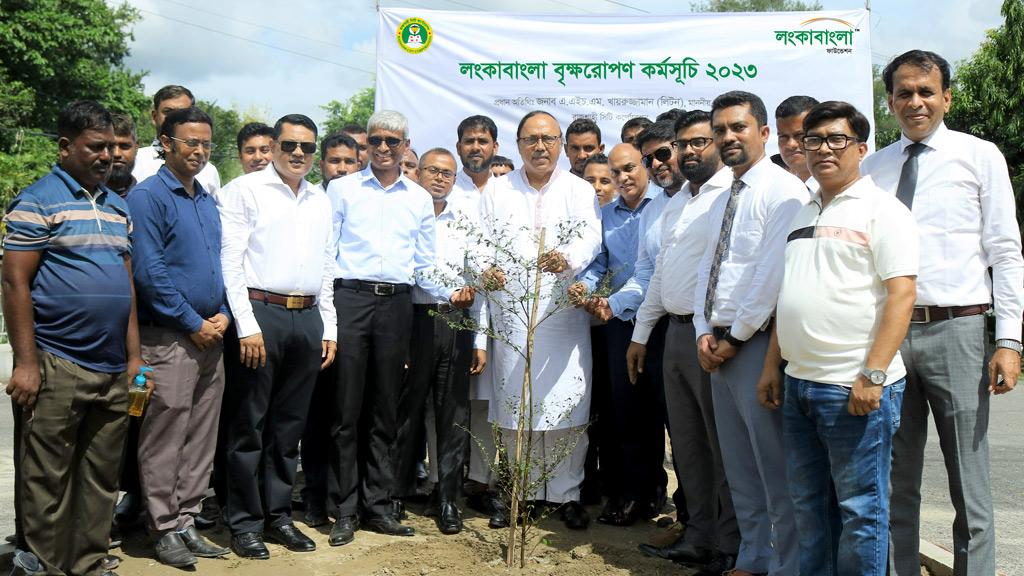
{"x": 194, "y": 143}
{"x": 661, "y": 155}
{"x": 530, "y": 141}
{"x": 290, "y": 145}
{"x": 697, "y": 144}
{"x": 834, "y": 141}
{"x": 434, "y": 171}
{"x": 375, "y": 141}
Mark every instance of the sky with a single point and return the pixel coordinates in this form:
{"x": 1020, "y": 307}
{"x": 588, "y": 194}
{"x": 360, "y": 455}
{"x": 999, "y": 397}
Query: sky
{"x": 267, "y": 58}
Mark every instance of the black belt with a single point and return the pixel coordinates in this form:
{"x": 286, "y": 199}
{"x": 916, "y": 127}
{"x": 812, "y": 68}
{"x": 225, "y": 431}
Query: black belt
{"x": 682, "y": 318}
{"x": 440, "y": 308}
{"x": 376, "y": 288}
{"x": 926, "y": 314}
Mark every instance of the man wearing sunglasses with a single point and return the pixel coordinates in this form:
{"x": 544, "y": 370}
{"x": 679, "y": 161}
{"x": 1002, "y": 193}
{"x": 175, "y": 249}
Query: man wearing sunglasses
{"x": 711, "y": 538}
{"x": 279, "y": 273}
{"x": 149, "y": 159}
{"x": 384, "y": 229}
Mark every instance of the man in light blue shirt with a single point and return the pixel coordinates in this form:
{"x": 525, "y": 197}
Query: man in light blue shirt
{"x": 384, "y": 225}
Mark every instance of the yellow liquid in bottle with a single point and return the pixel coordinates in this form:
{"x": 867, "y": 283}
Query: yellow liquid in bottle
{"x": 136, "y": 401}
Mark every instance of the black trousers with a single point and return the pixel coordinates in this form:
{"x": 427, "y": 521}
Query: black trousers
{"x": 272, "y": 405}
{"x": 438, "y": 372}
{"x": 373, "y": 339}
{"x": 637, "y": 417}
{"x": 599, "y": 429}
{"x": 316, "y": 440}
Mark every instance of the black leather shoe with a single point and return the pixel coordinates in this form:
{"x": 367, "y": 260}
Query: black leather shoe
{"x": 450, "y": 521}
{"x": 249, "y": 545}
{"x": 485, "y": 502}
{"x": 682, "y": 552}
{"x": 128, "y": 511}
{"x": 398, "y": 509}
{"x": 171, "y": 550}
{"x": 290, "y": 537}
{"x": 719, "y": 564}
{"x": 200, "y": 546}
{"x": 500, "y": 517}
{"x": 611, "y": 513}
{"x": 316, "y": 515}
{"x": 575, "y": 516}
{"x": 390, "y": 526}
{"x": 343, "y": 531}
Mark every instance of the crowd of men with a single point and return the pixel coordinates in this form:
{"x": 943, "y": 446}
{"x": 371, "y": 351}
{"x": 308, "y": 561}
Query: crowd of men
{"x": 792, "y": 321}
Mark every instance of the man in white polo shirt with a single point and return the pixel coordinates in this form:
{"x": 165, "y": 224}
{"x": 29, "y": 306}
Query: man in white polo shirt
{"x": 844, "y": 307}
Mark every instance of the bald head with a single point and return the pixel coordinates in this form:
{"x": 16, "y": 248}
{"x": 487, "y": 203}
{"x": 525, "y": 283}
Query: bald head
{"x": 629, "y": 174}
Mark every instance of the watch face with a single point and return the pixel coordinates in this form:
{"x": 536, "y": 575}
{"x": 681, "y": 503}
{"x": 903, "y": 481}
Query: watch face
{"x": 877, "y": 377}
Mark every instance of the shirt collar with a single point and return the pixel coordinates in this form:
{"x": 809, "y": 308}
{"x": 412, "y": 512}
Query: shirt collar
{"x": 720, "y": 179}
{"x": 935, "y": 140}
{"x": 526, "y": 182}
{"x": 171, "y": 181}
{"x": 269, "y": 175}
{"x": 757, "y": 171}
{"x": 74, "y": 187}
{"x": 857, "y": 190}
{"x": 367, "y": 174}
{"x": 620, "y": 204}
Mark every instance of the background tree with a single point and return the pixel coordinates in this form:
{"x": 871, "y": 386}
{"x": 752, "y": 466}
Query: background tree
{"x": 988, "y": 93}
{"x": 355, "y": 110}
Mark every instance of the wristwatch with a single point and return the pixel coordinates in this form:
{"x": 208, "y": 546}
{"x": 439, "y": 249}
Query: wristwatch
{"x": 734, "y": 341}
{"x": 1011, "y": 344}
{"x": 875, "y": 377}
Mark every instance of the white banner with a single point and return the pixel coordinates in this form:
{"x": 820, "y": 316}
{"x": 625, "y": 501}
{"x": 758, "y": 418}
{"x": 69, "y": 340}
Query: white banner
{"x": 438, "y": 67}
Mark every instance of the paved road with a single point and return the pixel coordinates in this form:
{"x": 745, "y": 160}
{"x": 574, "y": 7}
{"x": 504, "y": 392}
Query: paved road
{"x": 937, "y": 513}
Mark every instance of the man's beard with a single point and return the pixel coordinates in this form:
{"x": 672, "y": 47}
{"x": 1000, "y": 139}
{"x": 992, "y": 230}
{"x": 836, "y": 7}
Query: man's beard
{"x": 702, "y": 172}
{"x": 120, "y": 176}
{"x": 470, "y": 166}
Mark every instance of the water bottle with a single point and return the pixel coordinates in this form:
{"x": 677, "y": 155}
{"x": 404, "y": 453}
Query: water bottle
{"x": 137, "y": 393}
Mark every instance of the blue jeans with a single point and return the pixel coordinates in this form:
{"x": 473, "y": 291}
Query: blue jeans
{"x": 838, "y": 467}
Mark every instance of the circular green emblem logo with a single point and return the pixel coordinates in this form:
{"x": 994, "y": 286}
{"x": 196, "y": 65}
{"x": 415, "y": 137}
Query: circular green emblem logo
{"x": 414, "y": 35}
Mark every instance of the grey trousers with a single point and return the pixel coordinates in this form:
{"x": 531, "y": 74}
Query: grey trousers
{"x": 178, "y": 436}
{"x": 482, "y": 450}
{"x": 695, "y": 450}
{"x": 946, "y": 373}
{"x": 750, "y": 436}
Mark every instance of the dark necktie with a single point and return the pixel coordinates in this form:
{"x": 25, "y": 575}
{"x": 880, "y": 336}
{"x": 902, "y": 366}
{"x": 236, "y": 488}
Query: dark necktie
{"x": 721, "y": 247}
{"x": 908, "y": 177}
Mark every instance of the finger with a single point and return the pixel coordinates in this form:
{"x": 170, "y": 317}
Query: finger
{"x": 10, "y": 389}
{"x": 992, "y": 371}
{"x": 263, "y": 356}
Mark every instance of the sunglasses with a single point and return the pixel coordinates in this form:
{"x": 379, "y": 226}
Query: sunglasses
{"x": 391, "y": 141}
{"x": 289, "y": 146}
{"x": 661, "y": 155}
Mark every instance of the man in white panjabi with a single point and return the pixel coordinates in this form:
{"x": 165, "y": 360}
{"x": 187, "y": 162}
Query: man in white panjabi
{"x": 514, "y": 210}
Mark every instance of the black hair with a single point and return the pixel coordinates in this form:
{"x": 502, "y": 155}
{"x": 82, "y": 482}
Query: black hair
{"x": 82, "y": 115}
{"x": 353, "y": 129}
{"x": 171, "y": 91}
{"x": 923, "y": 59}
{"x": 531, "y": 114}
{"x": 296, "y": 119}
{"x": 476, "y": 123}
{"x": 739, "y": 98}
{"x": 638, "y": 122}
{"x": 184, "y": 116}
{"x": 583, "y": 126}
{"x": 502, "y": 161}
{"x": 795, "y": 106}
{"x": 672, "y": 114}
{"x": 338, "y": 139}
{"x": 835, "y": 110}
{"x": 663, "y": 131}
{"x": 251, "y": 130}
{"x": 595, "y": 158}
{"x": 124, "y": 125}
{"x": 690, "y": 118}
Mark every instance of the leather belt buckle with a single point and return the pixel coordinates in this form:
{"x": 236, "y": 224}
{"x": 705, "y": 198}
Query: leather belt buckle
{"x": 295, "y": 301}
{"x": 380, "y": 289}
{"x": 926, "y": 312}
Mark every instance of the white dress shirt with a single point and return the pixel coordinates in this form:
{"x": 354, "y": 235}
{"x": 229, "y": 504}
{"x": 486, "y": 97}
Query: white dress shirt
{"x": 456, "y": 258}
{"x": 752, "y": 267}
{"x": 966, "y": 218}
{"x": 384, "y": 234}
{"x": 278, "y": 241}
{"x": 147, "y": 163}
{"x": 684, "y": 237}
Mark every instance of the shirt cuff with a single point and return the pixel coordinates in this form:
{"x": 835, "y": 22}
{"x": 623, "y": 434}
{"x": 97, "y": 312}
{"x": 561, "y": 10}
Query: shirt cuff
{"x": 247, "y": 325}
{"x": 700, "y": 325}
{"x": 331, "y": 332}
{"x": 742, "y": 331}
{"x": 1008, "y": 329}
{"x": 641, "y": 333}
{"x": 480, "y": 341}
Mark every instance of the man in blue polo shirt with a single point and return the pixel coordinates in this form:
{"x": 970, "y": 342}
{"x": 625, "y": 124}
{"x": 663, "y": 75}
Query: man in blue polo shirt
{"x": 70, "y": 310}
{"x": 182, "y": 317}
